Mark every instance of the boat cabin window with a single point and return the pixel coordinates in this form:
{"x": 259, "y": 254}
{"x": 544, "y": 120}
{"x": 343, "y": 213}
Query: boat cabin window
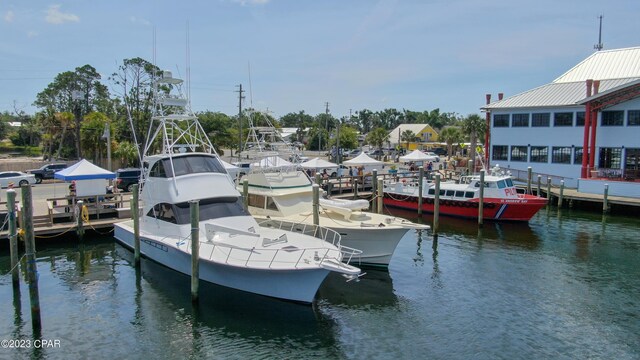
{"x": 460, "y": 194}
{"x": 486, "y": 184}
{"x": 509, "y": 182}
{"x": 432, "y": 191}
{"x": 271, "y": 205}
{"x": 211, "y": 208}
{"x": 501, "y": 184}
{"x": 468, "y": 194}
{"x": 184, "y": 165}
{"x": 450, "y": 192}
{"x": 256, "y": 201}
{"x": 442, "y": 192}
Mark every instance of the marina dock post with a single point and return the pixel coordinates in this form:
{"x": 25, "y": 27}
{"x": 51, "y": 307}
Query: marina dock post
{"x": 539, "y": 183}
{"x": 194, "y": 207}
{"x": 605, "y": 200}
{"x": 316, "y": 204}
{"x": 245, "y": 194}
{"x": 380, "y": 195}
{"x": 318, "y": 178}
{"x": 481, "y": 200}
{"x": 135, "y": 209}
{"x": 420, "y": 181}
{"x": 13, "y": 238}
{"x": 560, "y": 198}
{"x": 548, "y": 191}
{"x": 374, "y": 190}
{"x": 529, "y": 178}
{"x": 470, "y": 167}
{"x": 79, "y": 224}
{"x": 30, "y": 253}
{"x": 436, "y": 208}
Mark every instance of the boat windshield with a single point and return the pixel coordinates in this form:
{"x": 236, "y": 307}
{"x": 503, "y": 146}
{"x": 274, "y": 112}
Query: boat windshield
{"x": 184, "y": 165}
{"x": 211, "y": 208}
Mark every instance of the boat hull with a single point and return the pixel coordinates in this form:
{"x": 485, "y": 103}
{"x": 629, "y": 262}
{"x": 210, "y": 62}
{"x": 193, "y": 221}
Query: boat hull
{"x": 298, "y": 285}
{"x": 377, "y": 245}
{"x": 495, "y": 209}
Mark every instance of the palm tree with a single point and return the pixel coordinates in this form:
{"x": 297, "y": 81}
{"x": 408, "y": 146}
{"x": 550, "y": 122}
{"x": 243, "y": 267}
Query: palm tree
{"x": 474, "y": 126}
{"x": 408, "y": 136}
{"x": 451, "y": 135}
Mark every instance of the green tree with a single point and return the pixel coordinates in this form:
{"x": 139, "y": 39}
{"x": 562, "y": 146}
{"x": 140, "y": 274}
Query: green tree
{"x": 408, "y": 136}
{"x": 127, "y": 153}
{"x": 378, "y": 137}
{"x": 91, "y": 134}
{"x": 451, "y": 135}
{"x": 473, "y": 126}
{"x": 348, "y": 138}
{"x": 217, "y": 126}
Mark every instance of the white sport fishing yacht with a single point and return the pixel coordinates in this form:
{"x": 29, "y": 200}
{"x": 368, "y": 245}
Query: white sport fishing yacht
{"x": 286, "y": 194}
{"x": 272, "y": 259}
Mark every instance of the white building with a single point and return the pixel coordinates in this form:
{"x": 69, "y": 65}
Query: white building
{"x": 549, "y": 127}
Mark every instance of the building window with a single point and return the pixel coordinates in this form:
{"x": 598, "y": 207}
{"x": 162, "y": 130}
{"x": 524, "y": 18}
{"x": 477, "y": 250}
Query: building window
{"x": 612, "y": 118}
{"x": 563, "y": 119}
{"x": 632, "y": 163}
{"x": 633, "y": 118}
{"x": 540, "y": 119}
{"x": 577, "y": 155}
{"x": 610, "y": 158}
{"x": 501, "y": 120}
{"x": 519, "y": 153}
{"x": 561, "y": 155}
{"x": 540, "y": 154}
{"x": 580, "y": 118}
{"x": 520, "y": 120}
{"x": 500, "y": 152}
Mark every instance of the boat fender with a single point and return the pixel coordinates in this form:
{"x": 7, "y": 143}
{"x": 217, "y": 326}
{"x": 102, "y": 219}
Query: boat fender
{"x": 85, "y": 213}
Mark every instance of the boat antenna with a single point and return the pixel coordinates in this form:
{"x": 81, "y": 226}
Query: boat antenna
{"x": 250, "y": 87}
{"x": 599, "y": 45}
{"x": 188, "y": 60}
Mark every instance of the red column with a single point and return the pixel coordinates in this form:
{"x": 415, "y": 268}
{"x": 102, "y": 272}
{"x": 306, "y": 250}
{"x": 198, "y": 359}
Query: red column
{"x": 487, "y": 134}
{"x": 592, "y": 152}
{"x": 584, "y": 173}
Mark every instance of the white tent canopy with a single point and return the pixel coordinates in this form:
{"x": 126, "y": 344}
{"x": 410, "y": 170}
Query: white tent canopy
{"x": 317, "y": 163}
{"x": 362, "y": 159}
{"x": 84, "y": 170}
{"x": 417, "y": 155}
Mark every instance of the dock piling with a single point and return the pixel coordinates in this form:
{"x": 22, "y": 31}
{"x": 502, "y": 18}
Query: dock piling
{"x": 374, "y": 190}
{"x": 30, "y": 250}
{"x": 539, "y": 183}
{"x": 316, "y": 204}
{"x": 529, "y": 177}
{"x": 13, "y": 237}
{"x": 135, "y": 209}
{"x": 436, "y": 208}
{"x": 380, "y": 195}
{"x": 560, "y": 198}
{"x": 420, "y": 181}
{"x": 79, "y": 223}
{"x": 605, "y": 201}
{"x": 245, "y": 194}
{"x": 481, "y": 200}
{"x": 194, "y": 207}
{"x": 548, "y": 191}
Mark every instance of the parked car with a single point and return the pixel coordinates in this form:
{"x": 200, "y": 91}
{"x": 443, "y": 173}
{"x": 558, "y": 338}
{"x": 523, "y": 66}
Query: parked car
{"x": 437, "y": 158}
{"x": 126, "y": 178}
{"x": 440, "y": 151}
{"x": 17, "y": 178}
{"x": 46, "y": 171}
{"x": 353, "y": 153}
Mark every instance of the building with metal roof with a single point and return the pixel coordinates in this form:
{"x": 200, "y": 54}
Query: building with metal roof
{"x": 585, "y": 125}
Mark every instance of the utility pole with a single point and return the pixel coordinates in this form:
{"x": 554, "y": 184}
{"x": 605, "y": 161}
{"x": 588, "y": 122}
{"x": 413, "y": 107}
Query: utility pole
{"x": 326, "y": 120}
{"x": 240, "y": 98}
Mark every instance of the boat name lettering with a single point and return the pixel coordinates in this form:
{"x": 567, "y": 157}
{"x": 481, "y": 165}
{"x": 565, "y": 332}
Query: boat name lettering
{"x": 513, "y": 201}
{"x": 155, "y": 245}
{"x": 510, "y": 192}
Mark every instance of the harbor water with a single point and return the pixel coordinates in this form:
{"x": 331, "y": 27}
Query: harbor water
{"x": 566, "y": 285}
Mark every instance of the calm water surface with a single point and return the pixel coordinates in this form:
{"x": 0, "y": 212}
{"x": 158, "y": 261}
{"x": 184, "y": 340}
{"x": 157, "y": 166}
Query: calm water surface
{"x": 565, "y": 285}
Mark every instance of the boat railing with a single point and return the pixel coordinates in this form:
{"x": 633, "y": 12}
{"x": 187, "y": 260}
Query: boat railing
{"x": 320, "y": 232}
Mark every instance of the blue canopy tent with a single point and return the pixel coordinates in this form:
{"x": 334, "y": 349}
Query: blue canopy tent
{"x": 89, "y": 179}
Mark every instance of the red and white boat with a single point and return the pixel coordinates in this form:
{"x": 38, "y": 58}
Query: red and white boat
{"x": 501, "y": 200}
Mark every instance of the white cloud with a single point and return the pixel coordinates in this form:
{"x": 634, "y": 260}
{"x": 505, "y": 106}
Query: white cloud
{"x": 142, "y": 21}
{"x": 54, "y": 16}
{"x": 8, "y": 16}
{"x": 251, "y": 2}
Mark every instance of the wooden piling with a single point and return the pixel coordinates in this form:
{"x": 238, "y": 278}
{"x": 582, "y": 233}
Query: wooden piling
{"x": 30, "y": 253}
{"x": 194, "y": 207}
{"x": 316, "y": 204}
{"x": 13, "y": 238}
{"x": 436, "y": 208}
{"x": 318, "y": 178}
{"x": 539, "y": 183}
{"x": 374, "y": 190}
{"x": 481, "y": 199}
{"x": 420, "y": 181}
{"x": 380, "y": 195}
{"x": 605, "y": 202}
{"x": 135, "y": 215}
{"x": 79, "y": 221}
{"x": 560, "y": 198}
{"x": 548, "y": 191}
{"x": 245, "y": 194}
{"x": 529, "y": 177}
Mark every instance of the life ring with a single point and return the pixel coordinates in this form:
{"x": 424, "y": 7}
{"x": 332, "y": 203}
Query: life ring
{"x": 85, "y": 213}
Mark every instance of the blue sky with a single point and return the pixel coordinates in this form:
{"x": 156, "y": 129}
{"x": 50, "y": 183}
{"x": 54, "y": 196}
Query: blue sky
{"x": 354, "y": 54}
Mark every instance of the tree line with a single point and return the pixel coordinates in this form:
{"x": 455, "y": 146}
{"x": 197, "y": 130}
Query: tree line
{"x": 76, "y": 107}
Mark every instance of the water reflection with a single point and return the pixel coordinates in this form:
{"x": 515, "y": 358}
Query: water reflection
{"x": 374, "y": 289}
